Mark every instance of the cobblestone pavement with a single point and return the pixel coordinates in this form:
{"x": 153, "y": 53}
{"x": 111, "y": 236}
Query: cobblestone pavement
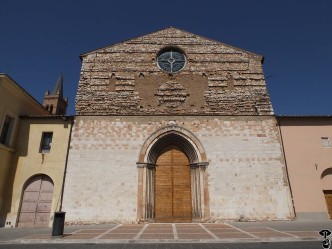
{"x": 143, "y": 233}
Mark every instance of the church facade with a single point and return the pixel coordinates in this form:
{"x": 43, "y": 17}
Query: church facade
{"x": 174, "y": 127}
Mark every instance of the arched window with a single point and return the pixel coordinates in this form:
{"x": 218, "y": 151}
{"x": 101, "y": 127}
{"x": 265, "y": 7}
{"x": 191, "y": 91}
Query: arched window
{"x": 326, "y": 172}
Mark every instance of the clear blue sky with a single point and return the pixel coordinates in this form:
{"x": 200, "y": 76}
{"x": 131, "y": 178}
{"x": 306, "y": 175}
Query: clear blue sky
{"x": 40, "y": 39}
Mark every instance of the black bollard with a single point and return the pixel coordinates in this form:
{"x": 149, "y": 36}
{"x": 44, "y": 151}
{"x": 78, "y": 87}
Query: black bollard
{"x": 58, "y": 223}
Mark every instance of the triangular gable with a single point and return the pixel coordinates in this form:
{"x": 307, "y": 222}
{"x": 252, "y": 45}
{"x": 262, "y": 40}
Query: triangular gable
{"x": 172, "y": 33}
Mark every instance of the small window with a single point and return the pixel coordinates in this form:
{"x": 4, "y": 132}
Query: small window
{"x": 326, "y": 142}
{"x": 46, "y": 142}
{"x": 6, "y": 131}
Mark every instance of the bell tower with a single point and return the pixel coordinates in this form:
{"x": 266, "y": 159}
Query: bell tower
{"x": 54, "y": 102}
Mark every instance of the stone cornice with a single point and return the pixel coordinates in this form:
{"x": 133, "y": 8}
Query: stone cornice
{"x": 199, "y": 165}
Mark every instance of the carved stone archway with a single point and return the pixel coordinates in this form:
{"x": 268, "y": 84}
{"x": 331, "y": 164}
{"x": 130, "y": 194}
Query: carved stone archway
{"x": 151, "y": 149}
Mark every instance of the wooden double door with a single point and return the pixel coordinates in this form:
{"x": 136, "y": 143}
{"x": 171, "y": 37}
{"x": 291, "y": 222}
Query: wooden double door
{"x": 36, "y": 202}
{"x": 328, "y": 199}
{"x": 173, "y": 187}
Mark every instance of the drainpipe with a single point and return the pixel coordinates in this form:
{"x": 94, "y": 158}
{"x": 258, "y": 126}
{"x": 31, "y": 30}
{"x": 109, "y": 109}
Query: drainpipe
{"x": 287, "y": 175}
{"x": 66, "y": 163}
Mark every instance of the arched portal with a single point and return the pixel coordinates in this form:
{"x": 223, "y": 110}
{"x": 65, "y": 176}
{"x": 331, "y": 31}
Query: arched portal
{"x": 36, "y": 201}
{"x": 172, "y": 186}
{"x": 172, "y": 160}
{"x": 326, "y": 177}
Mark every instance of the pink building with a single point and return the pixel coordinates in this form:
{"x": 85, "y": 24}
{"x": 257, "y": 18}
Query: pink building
{"x": 308, "y": 153}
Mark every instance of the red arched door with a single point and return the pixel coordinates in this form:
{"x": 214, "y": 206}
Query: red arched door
{"x": 172, "y": 187}
{"x": 36, "y": 202}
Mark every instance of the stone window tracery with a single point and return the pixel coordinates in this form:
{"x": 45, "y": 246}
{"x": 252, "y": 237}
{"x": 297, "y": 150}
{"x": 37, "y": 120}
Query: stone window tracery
{"x": 171, "y": 60}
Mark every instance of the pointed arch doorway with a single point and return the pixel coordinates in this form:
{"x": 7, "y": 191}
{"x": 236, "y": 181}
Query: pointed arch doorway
{"x": 172, "y": 186}
{"x": 172, "y": 178}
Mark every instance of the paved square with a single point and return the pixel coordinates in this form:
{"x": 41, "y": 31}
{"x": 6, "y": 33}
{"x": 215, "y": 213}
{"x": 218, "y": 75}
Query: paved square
{"x": 154, "y": 236}
{"x": 178, "y": 232}
{"x": 310, "y": 234}
{"x": 118, "y": 236}
{"x": 237, "y": 235}
{"x": 98, "y": 231}
{"x": 195, "y": 236}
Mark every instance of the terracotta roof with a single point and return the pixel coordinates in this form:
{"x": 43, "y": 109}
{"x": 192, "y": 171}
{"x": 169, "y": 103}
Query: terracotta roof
{"x": 63, "y": 117}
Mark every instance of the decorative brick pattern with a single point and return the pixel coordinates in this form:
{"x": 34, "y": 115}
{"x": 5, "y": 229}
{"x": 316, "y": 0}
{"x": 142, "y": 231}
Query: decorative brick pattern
{"x": 217, "y": 79}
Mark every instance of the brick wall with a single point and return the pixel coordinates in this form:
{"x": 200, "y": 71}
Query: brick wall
{"x": 217, "y": 79}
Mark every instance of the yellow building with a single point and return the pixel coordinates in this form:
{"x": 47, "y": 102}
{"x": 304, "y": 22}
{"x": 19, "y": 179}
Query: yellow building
{"x": 40, "y": 162}
{"x": 33, "y": 154}
{"x": 14, "y": 102}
